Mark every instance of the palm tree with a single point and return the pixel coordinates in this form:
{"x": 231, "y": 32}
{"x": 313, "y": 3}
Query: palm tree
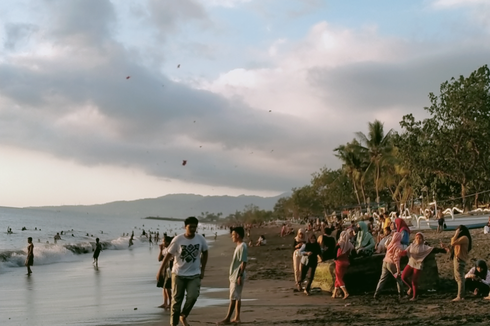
{"x": 379, "y": 148}
{"x": 353, "y": 165}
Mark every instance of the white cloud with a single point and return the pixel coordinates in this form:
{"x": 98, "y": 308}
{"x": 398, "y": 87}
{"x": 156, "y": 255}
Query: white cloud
{"x": 224, "y": 3}
{"x": 458, "y": 3}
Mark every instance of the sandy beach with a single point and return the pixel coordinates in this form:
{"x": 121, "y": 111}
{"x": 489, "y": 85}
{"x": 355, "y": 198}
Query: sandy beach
{"x": 270, "y": 288}
{"x": 122, "y": 291}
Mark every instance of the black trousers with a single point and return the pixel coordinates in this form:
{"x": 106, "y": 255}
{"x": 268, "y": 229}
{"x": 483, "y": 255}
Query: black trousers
{"x": 471, "y": 285}
{"x": 304, "y": 271}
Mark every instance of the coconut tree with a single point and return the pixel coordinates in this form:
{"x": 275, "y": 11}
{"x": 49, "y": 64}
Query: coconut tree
{"x": 379, "y": 148}
{"x": 354, "y": 164}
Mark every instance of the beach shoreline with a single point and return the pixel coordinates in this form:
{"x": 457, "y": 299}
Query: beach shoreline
{"x": 270, "y": 298}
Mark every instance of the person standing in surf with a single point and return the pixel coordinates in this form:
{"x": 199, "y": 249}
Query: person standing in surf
{"x": 98, "y": 249}
{"x": 190, "y": 252}
{"x": 30, "y": 255}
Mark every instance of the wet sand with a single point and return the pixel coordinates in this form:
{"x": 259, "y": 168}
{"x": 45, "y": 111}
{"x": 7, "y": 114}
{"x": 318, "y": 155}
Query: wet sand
{"x": 77, "y": 294}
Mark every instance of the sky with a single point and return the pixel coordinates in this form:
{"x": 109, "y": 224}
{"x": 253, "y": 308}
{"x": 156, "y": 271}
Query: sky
{"x": 104, "y": 100}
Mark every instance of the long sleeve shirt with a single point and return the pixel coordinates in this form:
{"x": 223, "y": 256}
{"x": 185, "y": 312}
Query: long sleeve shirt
{"x": 461, "y": 246}
{"x": 472, "y": 271}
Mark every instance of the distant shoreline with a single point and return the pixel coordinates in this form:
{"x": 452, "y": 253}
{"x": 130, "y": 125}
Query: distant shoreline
{"x": 164, "y": 218}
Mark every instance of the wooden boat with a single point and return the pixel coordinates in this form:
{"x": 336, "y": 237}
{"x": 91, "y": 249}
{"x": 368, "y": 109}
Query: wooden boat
{"x": 472, "y": 220}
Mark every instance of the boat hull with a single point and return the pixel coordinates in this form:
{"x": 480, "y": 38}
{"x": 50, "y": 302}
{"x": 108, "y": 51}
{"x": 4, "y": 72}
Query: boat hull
{"x": 470, "y": 221}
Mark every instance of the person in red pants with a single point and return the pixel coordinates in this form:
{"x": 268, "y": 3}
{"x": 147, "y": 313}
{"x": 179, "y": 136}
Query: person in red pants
{"x": 344, "y": 248}
{"x": 416, "y": 252}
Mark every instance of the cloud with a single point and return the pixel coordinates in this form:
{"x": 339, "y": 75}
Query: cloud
{"x": 224, "y": 3}
{"x": 18, "y": 34}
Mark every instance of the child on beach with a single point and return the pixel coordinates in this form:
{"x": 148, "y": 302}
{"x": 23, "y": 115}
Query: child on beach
{"x": 98, "y": 249}
{"x": 344, "y": 248}
{"x": 391, "y": 265}
{"x": 165, "y": 281}
{"x": 236, "y": 276}
{"x": 30, "y": 255}
{"x": 416, "y": 252}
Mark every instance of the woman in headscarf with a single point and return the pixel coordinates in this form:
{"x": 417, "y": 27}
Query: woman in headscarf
{"x": 364, "y": 241}
{"x": 311, "y": 253}
{"x": 343, "y": 250}
{"x": 299, "y": 241}
{"x": 478, "y": 279}
{"x": 461, "y": 246}
{"x": 391, "y": 264}
{"x": 402, "y": 227}
{"x": 416, "y": 252}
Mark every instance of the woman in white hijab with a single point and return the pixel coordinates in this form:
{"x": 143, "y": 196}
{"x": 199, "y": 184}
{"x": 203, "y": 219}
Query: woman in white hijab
{"x": 299, "y": 241}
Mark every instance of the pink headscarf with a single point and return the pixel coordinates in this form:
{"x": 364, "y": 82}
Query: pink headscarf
{"x": 344, "y": 242}
{"x": 394, "y": 249}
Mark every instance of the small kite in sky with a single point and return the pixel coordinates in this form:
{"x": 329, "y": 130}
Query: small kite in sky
{"x": 270, "y": 110}
{"x": 184, "y": 162}
{"x": 128, "y": 77}
{"x": 178, "y": 66}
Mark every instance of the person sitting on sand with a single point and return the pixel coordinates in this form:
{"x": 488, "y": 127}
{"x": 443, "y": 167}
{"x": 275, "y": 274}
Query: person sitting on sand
{"x": 417, "y": 251}
{"x": 391, "y": 265}
{"x": 364, "y": 241}
{"x": 98, "y": 249}
{"x": 478, "y": 279}
{"x": 343, "y": 250}
{"x": 261, "y": 241}
{"x": 310, "y": 256}
{"x": 298, "y": 243}
{"x": 402, "y": 227}
{"x": 30, "y": 255}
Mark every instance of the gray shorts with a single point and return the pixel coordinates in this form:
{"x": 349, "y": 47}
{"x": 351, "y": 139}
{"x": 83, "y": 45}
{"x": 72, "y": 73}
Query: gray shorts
{"x": 236, "y": 291}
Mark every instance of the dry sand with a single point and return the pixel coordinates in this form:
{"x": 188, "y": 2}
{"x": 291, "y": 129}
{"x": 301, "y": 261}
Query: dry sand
{"x": 270, "y": 287}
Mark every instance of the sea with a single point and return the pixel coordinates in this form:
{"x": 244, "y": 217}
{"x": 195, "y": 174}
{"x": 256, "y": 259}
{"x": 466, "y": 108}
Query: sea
{"x": 65, "y": 287}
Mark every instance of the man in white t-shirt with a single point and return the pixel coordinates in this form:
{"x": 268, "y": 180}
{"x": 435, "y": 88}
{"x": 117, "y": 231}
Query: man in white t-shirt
{"x": 190, "y": 252}
{"x": 237, "y": 275}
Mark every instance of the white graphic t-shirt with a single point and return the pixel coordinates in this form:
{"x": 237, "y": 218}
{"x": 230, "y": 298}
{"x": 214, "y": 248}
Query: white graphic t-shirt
{"x": 187, "y": 254}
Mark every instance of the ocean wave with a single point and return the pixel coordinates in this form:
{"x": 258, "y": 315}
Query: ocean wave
{"x": 45, "y": 254}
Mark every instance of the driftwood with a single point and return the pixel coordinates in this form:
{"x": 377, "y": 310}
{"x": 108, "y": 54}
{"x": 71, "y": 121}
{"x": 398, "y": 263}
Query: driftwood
{"x": 363, "y": 274}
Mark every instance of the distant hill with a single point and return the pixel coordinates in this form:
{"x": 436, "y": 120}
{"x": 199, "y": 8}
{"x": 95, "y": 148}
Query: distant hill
{"x": 172, "y": 206}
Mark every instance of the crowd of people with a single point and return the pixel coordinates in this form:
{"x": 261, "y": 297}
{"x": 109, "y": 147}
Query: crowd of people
{"x": 344, "y": 242}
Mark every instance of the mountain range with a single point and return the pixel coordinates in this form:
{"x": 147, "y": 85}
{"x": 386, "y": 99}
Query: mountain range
{"x": 172, "y": 206}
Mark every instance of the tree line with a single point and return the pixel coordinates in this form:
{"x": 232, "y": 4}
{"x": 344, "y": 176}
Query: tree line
{"x": 445, "y": 157}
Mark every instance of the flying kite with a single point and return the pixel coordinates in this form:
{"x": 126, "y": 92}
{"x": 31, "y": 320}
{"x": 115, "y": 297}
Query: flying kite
{"x": 128, "y": 77}
{"x": 184, "y": 162}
